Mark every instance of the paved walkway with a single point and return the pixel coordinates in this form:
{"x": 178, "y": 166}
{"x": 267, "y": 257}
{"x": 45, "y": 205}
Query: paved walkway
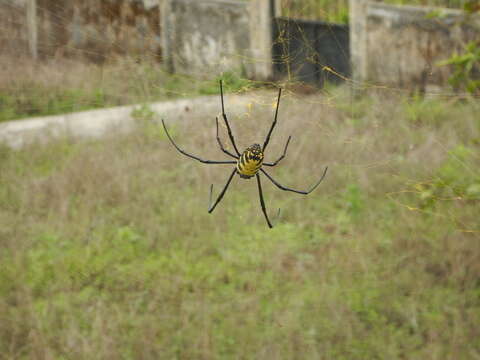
{"x": 96, "y": 123}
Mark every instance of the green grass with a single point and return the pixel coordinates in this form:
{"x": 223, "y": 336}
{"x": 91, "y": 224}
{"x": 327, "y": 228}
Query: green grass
{"x": 459, "y": 4}
{"x": 337, "y": 11}
{"x": 108, "y": 250}
{"x": 326, "y": 10}
{"x": 38, "y": 89}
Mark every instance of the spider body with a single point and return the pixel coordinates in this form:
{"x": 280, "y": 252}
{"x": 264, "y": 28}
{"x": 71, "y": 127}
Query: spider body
{"x": 250, "y": 161}
{"x": 247, "y": 164}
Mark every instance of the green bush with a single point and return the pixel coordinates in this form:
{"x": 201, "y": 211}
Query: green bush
{"x": 466, "y": 65}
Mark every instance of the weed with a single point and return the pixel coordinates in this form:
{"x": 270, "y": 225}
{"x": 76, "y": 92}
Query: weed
{"x": 466, "y": 75}
{"x": 108, "y": 250}
{"x": 232, "y": 82}
{"x": 337, "y": 11}
{"x": 426, "y": 111}
{"x": 39, "y": 90}
{"x": 354, "y": 200}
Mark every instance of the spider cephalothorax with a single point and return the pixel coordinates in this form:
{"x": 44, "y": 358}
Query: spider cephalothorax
{"x": 249, "y": 163}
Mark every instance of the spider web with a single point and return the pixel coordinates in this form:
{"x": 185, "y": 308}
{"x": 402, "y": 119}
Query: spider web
{"x": 438, "y": 191}
{"x": 107, "y": 249}
{"x": 348, "y": 126}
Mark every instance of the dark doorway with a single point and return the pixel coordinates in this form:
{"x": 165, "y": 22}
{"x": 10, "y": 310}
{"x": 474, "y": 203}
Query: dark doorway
{"x": 310, "y": 51}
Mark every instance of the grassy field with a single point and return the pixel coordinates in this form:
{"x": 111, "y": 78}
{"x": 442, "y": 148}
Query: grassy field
{"x": 108, "y": 252}
{"x": 59, "y": 86}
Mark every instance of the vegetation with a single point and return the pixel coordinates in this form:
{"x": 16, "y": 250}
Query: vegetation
{"x": 459, "y": 4}
{"x": 326, "y": 10}
{"x": 108, "y": 251}
{"x": 337, "y": 11}
{"x": 60, "y": 86}
{"x": 466, "y": 75}
{"x": 466, "y": 64}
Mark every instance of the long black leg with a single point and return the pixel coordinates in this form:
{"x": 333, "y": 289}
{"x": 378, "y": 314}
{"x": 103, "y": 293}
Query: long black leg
{"x": 267, "y": 139}
{"x": 193, "y": 156}
{"x": 221, "y": 145}
{"x": 281, "y": 187}
{"x": 281, "y": 157}
{"x": 230, "y": 135}
{"x": 262, "y": 202}
{"x": 212, "y": 207}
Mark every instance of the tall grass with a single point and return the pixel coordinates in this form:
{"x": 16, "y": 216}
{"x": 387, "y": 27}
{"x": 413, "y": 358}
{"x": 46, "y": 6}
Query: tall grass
{"x": 29, "y": 88}
{"x": 107, "y": 250}
{"x": 337, "y": 11}
{"x": 459, "y": 4}
{"x": 326, "y": 10}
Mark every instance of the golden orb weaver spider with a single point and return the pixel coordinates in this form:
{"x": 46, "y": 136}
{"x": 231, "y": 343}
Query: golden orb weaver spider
{"x": 249, "y": 163}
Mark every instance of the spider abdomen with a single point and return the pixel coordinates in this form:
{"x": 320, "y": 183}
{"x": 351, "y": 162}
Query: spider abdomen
{"x": 250, "y": 161}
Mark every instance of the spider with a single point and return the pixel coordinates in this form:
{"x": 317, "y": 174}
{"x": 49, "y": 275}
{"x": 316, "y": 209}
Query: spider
{"x": 248, "y": 163}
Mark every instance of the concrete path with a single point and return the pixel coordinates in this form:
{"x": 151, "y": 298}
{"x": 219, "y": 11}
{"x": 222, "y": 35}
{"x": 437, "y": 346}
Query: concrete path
{"x": 96, "y": 123}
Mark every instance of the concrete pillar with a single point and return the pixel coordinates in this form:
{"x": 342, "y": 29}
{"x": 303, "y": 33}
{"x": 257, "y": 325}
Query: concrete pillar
{"x": 261, "y": 18}
{"x": 359, "y": 39}
{"x": 166, "y": 33}
{"x": 32, "y": 29}
{"x": 277, "y": 11}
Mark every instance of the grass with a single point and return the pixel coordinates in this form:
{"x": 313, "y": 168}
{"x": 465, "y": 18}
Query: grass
{"x": 326, "y": 10}
{"x": 108, "y": 251}
{"x": 459, "y": 4}
{"x": 337, "y": 11}
{"x": 54, "y": 87}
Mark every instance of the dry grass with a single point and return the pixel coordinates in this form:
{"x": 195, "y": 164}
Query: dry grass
{"x": 337, "y": 11}
{"x": 108, "y": 251}
{"x": 57, "y": 86}
{"x": 459, "y": 4}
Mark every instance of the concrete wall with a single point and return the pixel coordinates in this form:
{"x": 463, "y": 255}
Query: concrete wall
{"x": 211, "y": 36}
{"x": 93, "y": 29}
{"x": 402, "y": 45}
{"x": 14, "y": 27}
{"x": 189, "y": 36}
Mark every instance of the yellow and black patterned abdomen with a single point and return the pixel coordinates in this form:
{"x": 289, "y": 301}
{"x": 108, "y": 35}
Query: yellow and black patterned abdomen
{"x": 250, "y": 161}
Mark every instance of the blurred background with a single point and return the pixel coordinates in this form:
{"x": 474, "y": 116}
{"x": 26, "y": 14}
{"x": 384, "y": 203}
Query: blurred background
{"x": 106, "y": 246}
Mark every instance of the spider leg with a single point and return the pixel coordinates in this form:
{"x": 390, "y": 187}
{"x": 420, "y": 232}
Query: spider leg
{"x": 230, "y": 134}
{"x": 262, "y": 202}
{"x": 281, "y": 157}
{"x": 193, "y": 156}
{"x": 281, "y": 187}
{"x": 220, "y": 196}
{"x": 267, "y": 139}
{"x": 221, "y": 145}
